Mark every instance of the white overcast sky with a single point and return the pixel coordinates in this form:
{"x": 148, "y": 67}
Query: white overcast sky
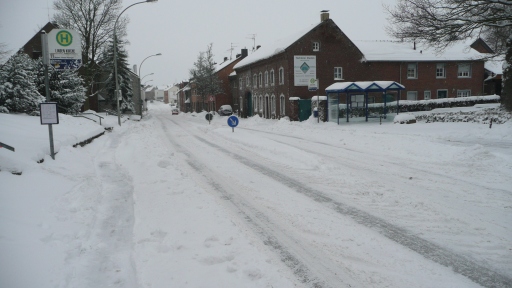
{"x": 181, "y": 29}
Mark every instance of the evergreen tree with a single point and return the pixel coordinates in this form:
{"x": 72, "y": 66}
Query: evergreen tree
{"x": 66, "y": 88}
{"x": 123, "y": 76}
{"x": 18, "y": 91}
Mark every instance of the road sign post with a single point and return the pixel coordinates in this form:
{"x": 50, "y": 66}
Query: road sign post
{"x": 63, "y": 50}
{"x": 233, "y": 122}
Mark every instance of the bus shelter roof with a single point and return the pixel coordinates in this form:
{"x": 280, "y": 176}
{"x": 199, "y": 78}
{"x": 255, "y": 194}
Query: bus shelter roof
{"x": 364, "y": 86}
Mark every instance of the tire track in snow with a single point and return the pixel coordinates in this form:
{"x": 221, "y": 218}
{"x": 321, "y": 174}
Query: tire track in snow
{"x": 271, "y": 234}
{"x": 461, "y": 265}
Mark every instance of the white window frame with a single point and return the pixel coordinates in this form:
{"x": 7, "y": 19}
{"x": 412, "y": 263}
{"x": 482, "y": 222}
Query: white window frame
{"x": 338, "y": 73}
{"x": 440, "y": 70}
{"x": 463, "y": 93}
{"x": 241, "y": 80}
{"x": 255, "y": 81}
{"x": 425, "y": 93}
{"x": 241, "y": 101}
{"x": 261, "y": 104}
{"x": 261, "y": 79}
{"x": 316, "y": 46}
{"x": 440, "y": 90}
{"x": 266, "y": 78}
{"x": 272, "y": 78}
{"x": 462, "y": 72}
{"x": 282, "y": 107}
{"x": 273, "y": 105}
{"x": 412, "y": 67}
{"x": 412, "y": 93}
{"x": 248, "y": 79}
{"x": 255, "y": 103}
{"x": 281, "y": 76}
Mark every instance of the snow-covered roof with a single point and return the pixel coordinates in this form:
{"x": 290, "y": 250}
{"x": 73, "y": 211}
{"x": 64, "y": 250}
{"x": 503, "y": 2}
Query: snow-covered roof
{"x": 367, "y": 86}
{"x": 277, "y": 47}
{"x": 404, "y": 51}
{"x": 233, "y": 73}
{"x": 224, "y": 64}
{"x": 495, "y": 66}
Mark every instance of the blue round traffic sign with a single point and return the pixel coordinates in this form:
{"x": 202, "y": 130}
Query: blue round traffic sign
{"x": 233, "y": 121}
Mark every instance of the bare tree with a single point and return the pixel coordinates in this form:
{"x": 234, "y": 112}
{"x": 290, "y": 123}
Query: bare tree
{"x": 439, "y": 23}
{"x": 204, "y": 75}
{"x": 94, "y": 20}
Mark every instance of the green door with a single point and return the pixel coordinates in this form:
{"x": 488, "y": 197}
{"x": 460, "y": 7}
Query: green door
{"x": 304, "y": 109}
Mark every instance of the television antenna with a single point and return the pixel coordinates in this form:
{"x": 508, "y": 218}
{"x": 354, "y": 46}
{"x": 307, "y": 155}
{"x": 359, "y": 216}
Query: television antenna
{"x": 231, "y": 50}
{"x": 253, "y": 37}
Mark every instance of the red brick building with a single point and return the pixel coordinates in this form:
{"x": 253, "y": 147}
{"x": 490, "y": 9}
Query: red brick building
{"x": 269, "y": 77}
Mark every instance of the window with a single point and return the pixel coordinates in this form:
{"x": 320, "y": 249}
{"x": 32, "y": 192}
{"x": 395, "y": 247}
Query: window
{"x": 316, "y": 46}
{"x": 338, "y": 73}
{"x": 412, "y": 71}
{"x": 281, "y": 76}
{"x": 463, "y": 93}
{"x": 464, "y": 71}
{"x": 281, "y": 105}
{"x": 261, "y": 104}
{"x": 255, "y": 103}
{"x": 440, "y": 70}
{"x": 272, "y": 78}
{"x": 241, "y": 83}
{"x": 273, "y": 105}
{"x": 248, "y": 82}
{"x": 266, "y": 78}
{"x": 412, "y": 95}
{"x": 442, "y": 94}
{"x": 241, "y": 101}
{"x": 426, "y": 95}
{"x": 255, "y": 81}
{"x": 261, "y": 80}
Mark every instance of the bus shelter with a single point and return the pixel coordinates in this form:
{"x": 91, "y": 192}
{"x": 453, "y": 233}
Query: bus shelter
{"x": 349, "y": 88}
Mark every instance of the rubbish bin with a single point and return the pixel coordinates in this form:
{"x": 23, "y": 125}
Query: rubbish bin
{"x": 315, "y": 112}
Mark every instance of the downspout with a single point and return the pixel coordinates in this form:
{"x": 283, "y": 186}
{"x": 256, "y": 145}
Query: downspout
{"x": 399, "y": 92}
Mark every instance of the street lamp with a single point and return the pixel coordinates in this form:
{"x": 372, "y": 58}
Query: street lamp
{"x": 146, "y": 76}
{"x": 118, "y": 92}
{"x": 140, "y": 81}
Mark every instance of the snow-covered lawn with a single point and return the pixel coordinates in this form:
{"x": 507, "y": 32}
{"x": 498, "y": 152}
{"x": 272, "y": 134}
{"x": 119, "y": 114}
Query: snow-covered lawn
{"x": 173, "y": 201}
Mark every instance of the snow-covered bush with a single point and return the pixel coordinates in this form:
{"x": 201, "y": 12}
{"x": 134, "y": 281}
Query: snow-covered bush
{"x": 404, "y": 118}
{"x": 497, "y": 115}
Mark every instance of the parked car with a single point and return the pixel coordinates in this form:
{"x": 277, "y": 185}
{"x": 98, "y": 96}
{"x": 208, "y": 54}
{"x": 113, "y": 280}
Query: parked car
{"x": 225, "y": 110}
{"x": 175, "y": 111}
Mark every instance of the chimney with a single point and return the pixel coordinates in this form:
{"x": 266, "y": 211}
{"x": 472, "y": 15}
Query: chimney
{"x": 225, "y": 59}
{"x": 258, "y": 47}
{"x": 244, "y": 53}
{"x": 414, "y": 45}
{"x": 324, "y": 15}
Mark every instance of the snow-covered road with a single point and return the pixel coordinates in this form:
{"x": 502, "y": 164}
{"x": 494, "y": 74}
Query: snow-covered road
{"x": 173, "y": 201}
{"x": 353, "y": 209}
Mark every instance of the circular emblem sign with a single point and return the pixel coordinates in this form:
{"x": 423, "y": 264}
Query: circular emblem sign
{"x": 64, "y": 38}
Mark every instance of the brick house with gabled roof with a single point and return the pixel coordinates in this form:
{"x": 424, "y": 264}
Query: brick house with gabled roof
{"x": 271, "y": 76}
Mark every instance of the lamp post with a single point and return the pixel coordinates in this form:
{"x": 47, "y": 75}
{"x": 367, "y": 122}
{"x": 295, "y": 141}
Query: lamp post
{"x": 118, "y": 92}
{"x": 140, "y": 81}
{"x": 146, "y": 76}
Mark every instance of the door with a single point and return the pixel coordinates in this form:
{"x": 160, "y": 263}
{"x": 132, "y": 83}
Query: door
{"x": 304, "y": 109}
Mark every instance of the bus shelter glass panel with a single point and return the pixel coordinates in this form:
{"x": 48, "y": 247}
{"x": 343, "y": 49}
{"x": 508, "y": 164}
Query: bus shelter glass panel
{"x": 332, "y": 107}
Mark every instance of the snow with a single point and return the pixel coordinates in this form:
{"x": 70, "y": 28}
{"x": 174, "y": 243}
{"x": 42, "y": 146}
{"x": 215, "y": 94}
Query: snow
{"x": 403, "y": 118}
{"x": 176, "y": 201}
{"x": 404, "y": 51}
